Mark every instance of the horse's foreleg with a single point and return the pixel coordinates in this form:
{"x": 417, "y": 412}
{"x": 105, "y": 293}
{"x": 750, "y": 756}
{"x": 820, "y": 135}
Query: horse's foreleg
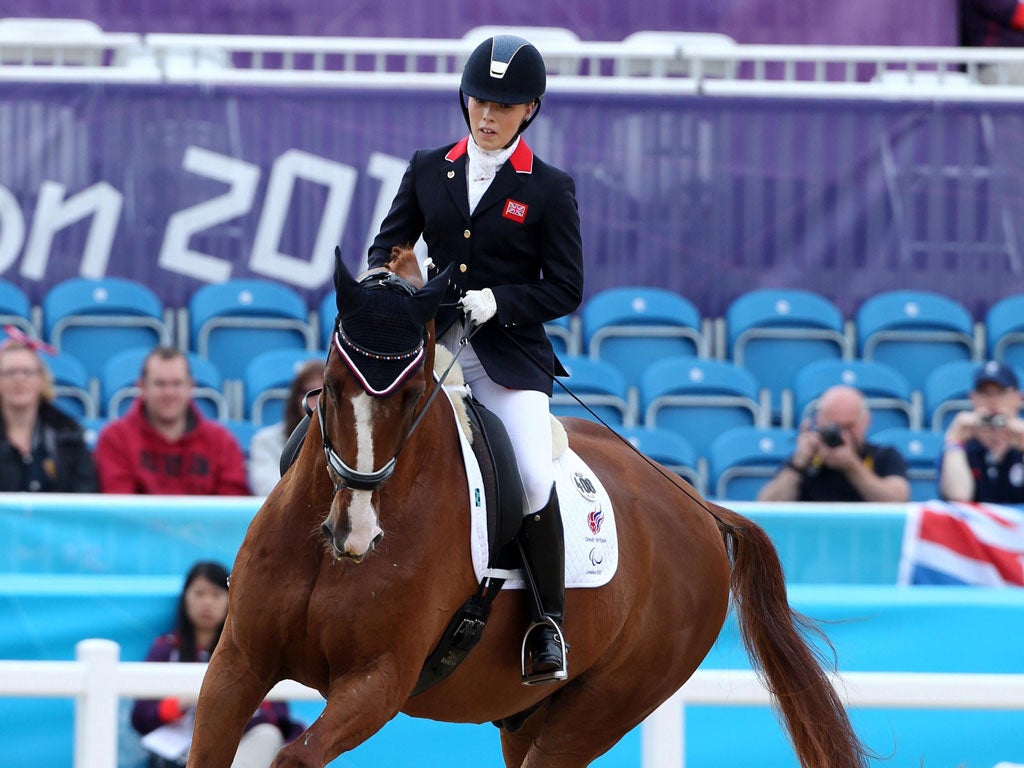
{"x": 231, "y": 692}
{"x": 358, "y": 705}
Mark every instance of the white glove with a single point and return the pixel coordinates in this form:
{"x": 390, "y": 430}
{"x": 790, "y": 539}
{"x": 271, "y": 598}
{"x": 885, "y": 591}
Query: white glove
{"x": 479, "y": 306}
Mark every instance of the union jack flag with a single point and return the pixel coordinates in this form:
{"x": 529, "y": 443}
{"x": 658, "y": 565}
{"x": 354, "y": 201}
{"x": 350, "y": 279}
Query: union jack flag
{"x": 515, "y": 210}
{"x": 956, "y": 543}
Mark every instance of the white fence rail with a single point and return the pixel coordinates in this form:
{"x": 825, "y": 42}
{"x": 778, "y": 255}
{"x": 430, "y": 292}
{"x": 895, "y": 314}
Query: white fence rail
{"x": 97, "y": 679}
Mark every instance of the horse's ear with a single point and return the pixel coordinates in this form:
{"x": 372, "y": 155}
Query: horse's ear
{"x": 423, "y": 305}
{"x": 349, "y": 296}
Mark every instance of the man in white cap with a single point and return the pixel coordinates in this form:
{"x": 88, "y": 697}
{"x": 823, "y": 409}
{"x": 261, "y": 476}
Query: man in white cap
{"x": 982, "y": 458}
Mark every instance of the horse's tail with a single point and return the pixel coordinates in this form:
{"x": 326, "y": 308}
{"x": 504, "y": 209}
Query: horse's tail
{"x": 773, "y": 634}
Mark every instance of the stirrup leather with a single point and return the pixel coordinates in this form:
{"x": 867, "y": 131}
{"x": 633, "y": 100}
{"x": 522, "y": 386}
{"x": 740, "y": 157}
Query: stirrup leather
{"x": 548, "y": 676}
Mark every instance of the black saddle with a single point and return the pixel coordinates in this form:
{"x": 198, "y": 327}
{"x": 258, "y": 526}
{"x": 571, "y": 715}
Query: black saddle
{"x": 504, "y": 487}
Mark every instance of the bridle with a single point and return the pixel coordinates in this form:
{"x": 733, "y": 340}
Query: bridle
{"x": 342, "y": 475}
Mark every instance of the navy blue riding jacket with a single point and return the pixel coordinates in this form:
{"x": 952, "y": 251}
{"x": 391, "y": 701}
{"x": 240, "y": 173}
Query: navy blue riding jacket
{"x": 522, "y": 241}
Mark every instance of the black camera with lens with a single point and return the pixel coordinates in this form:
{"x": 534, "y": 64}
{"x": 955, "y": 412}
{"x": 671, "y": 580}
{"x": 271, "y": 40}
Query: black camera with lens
{"x": 831, "y": 435}
{"x": 993, "y": 420}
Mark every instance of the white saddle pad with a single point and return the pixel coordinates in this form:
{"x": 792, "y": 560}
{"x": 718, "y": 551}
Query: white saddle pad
{"x": 591, "y": 543}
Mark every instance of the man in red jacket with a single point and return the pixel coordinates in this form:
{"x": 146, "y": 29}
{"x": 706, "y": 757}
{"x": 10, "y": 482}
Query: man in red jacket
{"x": 164, "y": 445}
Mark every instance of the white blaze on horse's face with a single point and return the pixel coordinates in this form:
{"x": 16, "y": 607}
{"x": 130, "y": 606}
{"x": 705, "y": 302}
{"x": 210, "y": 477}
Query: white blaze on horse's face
{"x": 362, "y": 517}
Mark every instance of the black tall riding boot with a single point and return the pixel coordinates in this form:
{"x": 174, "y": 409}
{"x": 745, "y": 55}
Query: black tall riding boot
{"x": 543, "y": 545}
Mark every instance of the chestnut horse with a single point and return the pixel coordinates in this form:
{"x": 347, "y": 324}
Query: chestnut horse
{"x": 358, "y": 559}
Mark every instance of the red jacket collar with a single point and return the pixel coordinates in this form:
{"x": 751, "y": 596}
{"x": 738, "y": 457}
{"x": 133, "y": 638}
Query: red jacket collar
{"x": 457, "y": 151}
{"x": 521, "y": 159}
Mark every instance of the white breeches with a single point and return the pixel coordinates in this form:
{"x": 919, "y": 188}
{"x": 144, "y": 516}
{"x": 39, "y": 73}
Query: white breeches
{"x": 526, "y": 416}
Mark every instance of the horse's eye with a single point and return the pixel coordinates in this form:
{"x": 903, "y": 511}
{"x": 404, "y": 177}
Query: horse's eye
{"x": 410, "y": 395}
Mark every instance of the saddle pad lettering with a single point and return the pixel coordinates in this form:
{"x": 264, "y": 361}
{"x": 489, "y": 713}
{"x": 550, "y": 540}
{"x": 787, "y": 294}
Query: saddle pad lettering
{"x": 591, "y": 541}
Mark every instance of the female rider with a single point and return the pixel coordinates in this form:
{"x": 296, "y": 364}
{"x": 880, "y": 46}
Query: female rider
{"x": 509, "y": 223}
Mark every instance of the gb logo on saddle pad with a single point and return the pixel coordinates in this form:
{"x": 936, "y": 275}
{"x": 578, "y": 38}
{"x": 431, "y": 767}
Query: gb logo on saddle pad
{"x": 515, "y": 210}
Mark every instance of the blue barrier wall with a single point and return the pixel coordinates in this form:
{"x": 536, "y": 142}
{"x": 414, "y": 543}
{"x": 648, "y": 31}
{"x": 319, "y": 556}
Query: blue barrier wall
{"x": 72, "y": 568}
{"x": 104, "y": 535}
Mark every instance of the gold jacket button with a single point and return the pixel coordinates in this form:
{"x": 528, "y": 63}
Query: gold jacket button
{"x": 463, "y": 267}
{"x": 451, "y": 174}
{"x": 465, "y": 234}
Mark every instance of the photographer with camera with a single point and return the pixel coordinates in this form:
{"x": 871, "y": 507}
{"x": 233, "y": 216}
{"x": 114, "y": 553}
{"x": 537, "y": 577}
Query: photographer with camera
{"x": 834, "y": 462}
{"x": 982, "y": 458}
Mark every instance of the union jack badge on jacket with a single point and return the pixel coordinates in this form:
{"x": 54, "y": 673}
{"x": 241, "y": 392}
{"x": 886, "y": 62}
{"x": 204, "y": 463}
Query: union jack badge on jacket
{"x": 515, "y": 210}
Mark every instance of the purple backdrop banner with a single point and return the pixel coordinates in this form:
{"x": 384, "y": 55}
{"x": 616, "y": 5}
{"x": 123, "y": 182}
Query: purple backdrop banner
{"x": 179, "y": 186}
{"x": 796, "y": 22}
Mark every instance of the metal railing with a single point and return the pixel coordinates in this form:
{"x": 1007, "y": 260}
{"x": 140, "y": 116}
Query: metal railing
{"x": 647, "y": 61}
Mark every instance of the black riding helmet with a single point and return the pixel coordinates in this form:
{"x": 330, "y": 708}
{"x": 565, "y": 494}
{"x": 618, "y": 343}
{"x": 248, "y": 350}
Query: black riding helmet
{"x": 504, "y": 69}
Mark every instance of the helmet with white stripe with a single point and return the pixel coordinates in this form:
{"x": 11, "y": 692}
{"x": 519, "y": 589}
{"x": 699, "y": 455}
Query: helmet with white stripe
{"x": 504, "y": 69}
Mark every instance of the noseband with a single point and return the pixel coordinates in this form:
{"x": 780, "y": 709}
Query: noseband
{"x": 342, "y": 475}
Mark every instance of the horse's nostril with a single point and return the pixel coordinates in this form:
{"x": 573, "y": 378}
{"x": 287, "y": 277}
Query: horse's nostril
{"x": 376, "y": 539}
{"x": 328, "y": 533}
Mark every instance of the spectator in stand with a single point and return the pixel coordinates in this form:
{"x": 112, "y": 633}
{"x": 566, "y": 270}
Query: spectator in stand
{"x": 994, "y": 24}
{"x": 42, "y": 449}
{"x": 164, "y": 445}
{"x": 982, "y": 459}
{"x": 833, "y": 460}
{"x": 202, "y": 610}
{"x": 268, "y": 443}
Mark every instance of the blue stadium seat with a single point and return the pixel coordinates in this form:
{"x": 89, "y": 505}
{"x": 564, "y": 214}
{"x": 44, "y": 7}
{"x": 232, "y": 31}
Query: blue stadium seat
{"x": 887, "y": 391}
{"x": 745, "y": 458}
{"x": 672, "y": 451}
{"x": 915, "y": 332}
{"x": 96, "y": 319}
{"x": 945, "y": 392}
{"x": 773, "y": 333}
{"x": 921, "y": 450}
{"x": 242, "y": 430}
{"x": 232, "y": 322}
{"x": 268, "y": 379}
{"x": 74, "y": 393}
{"x": 15, "y": 308}
{"x": 119, "y": 384}
{"x": 91, "y": 428}
{"x": 700, "y": 399}
{"x": 566, "y": 335}
{"x": 601, "y": 386}
{"x": 635, "y": 326}
{"x": 327, "y": 311}
{"x": 1004, "y": 330}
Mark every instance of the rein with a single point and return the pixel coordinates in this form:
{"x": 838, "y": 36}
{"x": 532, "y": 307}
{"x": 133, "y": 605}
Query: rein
{"x": 344, "y": 476}
{"x": 671, "y": 478}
